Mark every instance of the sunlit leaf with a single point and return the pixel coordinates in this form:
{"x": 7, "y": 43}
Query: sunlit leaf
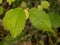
{"x": 14, "y": 20}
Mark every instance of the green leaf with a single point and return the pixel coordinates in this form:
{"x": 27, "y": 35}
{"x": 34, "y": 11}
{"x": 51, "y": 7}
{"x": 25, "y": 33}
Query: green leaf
{"x": 10, "y": 1}
{"x": 14, "y": 20}
{"x": 1, "y": 1}
{"x": 1, "y": 9}
{"x": 55, "y": 19}
{"x": 40, "y": 20}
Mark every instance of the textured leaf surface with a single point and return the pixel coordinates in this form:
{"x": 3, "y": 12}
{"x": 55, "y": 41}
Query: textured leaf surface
{"x": 14, "y": 20}
{"x": 55, "y": 19}
{"x": 40, "y": 20}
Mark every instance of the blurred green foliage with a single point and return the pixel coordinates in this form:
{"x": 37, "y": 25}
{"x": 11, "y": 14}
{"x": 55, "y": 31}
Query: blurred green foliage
{"x": 50, "y": 7}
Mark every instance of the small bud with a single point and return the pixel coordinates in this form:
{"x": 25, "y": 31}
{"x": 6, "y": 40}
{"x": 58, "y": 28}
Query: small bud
{"x": 23, "y": 5}
{"x": 27, "y": 13}
{"x": 45, "y": 4}
{"x": 40, "y": 7}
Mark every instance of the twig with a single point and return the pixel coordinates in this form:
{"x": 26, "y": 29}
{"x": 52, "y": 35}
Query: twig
{"x": 28, "y": 35}
{"x": 50, "y": 39}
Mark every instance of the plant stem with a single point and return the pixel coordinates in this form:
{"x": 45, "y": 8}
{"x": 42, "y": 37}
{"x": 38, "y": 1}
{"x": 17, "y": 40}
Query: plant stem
{"x": 50, "y": 38}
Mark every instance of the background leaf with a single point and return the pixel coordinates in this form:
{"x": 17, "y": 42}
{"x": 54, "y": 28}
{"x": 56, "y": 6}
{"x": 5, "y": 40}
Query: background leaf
{"x": 55, "y": 19}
